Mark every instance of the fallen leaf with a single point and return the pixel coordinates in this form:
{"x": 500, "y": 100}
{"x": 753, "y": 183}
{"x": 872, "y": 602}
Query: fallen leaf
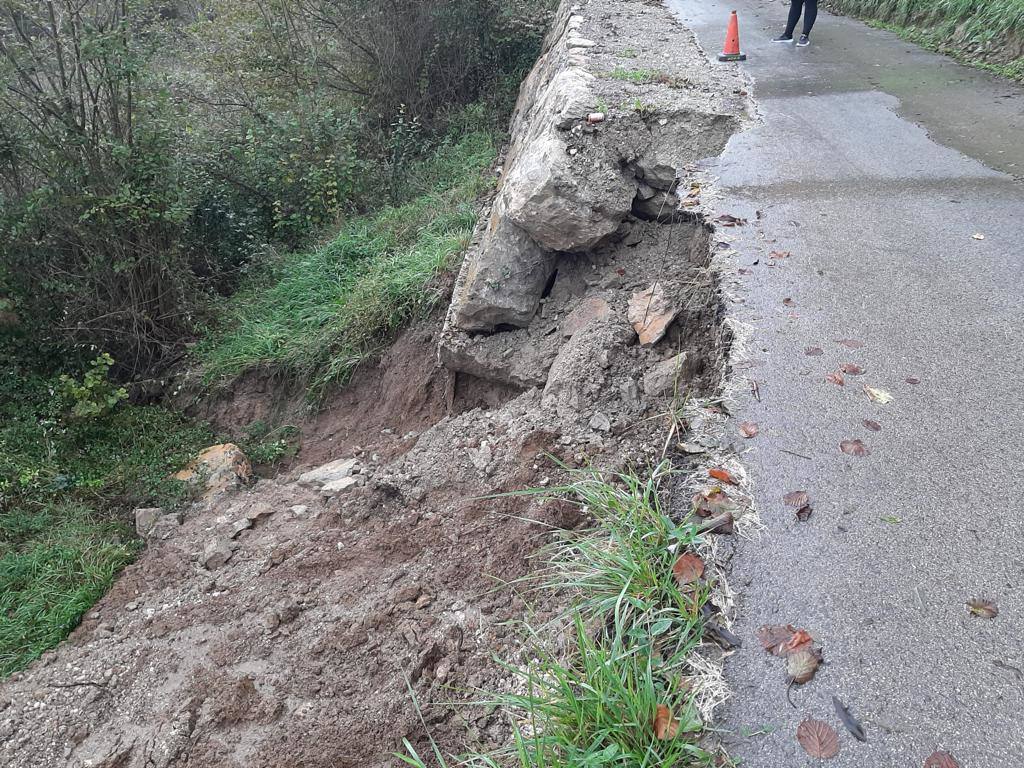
{"x": 941, "y": 760}
{"x": 789, "y": 302}
{"x": 818, "y": 739}
{"x": 978, "y": 236}
{"x": 836, "y": 378}
{"x": 783, "y": 639}
{"x": 779, "y": 255}
{"x": 814, "y": 351}
{"x": 688, "y": 569}
{"x": 850, "y": 343}
{"x": 796, "y": 498}
{"x": 891, "y": 519}
{"x": 749, "y": 429}
{"x": 713, "y": 503}
{"x": 912, "y": 380}
{"x": 804, "y": 513}
{"x": 877, "y": 395}
{"x": 854, "y": 448}
{"x": 851, "y": 723}
{"x": 851, "y": 368}
{"x": 874, "y": 426}
{"x": 774, "y": 636}
{"x": 723, "y": 475}
{"x": 665, "y": 726}
{"x": 985, "y": 609}
{"x": 728, "y": 220}
{"x": 800, "y": 641}
{"x": 801, "y": 666}
{"x": 650, "y": 312}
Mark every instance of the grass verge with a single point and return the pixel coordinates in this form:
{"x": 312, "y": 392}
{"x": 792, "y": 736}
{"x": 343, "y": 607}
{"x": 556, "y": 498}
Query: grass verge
{"x": 625, "y": 693}
{"x": 989, "y": 35}
{"x": 316, "y": 315}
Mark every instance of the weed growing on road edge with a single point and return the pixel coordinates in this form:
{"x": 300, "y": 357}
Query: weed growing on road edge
{"x": 624, "y": 690}
{"x": 979, "y": 34}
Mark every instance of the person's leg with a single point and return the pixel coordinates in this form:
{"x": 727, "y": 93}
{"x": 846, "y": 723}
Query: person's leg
{"x": 795, "y": 6}
{"x": 794, "y": 16}
{"x": 811, "y": 13}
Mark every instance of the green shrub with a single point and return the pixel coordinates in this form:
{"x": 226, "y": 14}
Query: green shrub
{"x": 95, "y": 395}
{"x": 317, "y": 314}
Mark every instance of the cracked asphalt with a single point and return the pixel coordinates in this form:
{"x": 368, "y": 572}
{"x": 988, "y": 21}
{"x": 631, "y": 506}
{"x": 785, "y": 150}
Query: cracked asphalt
{"x": 876, "y": 164}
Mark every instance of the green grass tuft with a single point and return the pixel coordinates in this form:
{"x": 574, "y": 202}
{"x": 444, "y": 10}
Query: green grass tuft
{"x": 316, "y": 315}
{"x": 632, "y": 631}
{"x": 65, "y": 486}
{"x": 55, "y": 562}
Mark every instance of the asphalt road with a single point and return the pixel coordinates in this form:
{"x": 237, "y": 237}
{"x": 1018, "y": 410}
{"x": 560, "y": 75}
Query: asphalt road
{"x": 875, "y": 165}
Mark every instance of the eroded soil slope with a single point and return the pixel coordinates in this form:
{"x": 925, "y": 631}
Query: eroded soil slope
{"x": 282, "y": 625}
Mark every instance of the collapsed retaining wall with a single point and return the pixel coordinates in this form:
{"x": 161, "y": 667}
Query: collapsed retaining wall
{"x": 621, "y": 101}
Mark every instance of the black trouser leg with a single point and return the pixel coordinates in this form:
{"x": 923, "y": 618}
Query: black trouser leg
{"x": 795, "y": 7}
{"x": 810, "y": 14}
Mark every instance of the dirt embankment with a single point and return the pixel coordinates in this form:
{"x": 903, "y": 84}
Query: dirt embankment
{"x": 281, "y": 624}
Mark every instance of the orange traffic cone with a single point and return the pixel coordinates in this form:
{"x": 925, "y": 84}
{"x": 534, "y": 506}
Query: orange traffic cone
{"x": 731, "y": 51}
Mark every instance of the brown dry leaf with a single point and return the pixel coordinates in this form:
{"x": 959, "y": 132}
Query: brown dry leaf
{"x": 665, "y": 726}
{"x": 800, "y": 641}
{"x": 874, "y": 426}
{"x": 804, "y": 513}
{"x": 814, "y": 351}
{"x": 801, "y": 666}
{"x": 796, "y": 498}
{"x": 852, "y": 369}
{"x": 836, "y": 378}
{"x": 688, "y": 569}
{"x": 854, "y": 448}
{"x": 779, "y": 255}
{"x": 985, "y": 609}
{"x": 749, "y": 429}
{"x": 877, "y": 395}
{"x": 850, "y": 343}
{"x": 774, "y": 636}
{"x": 784, "y": 639}
{"x": 818, "y": 739}
{"x": 713, "y": 503}
{"x": 941, "y": 759}
{"x": 913, "y": 380}
{"x": 722, "y": 475}
{"x": 789, "y": 302}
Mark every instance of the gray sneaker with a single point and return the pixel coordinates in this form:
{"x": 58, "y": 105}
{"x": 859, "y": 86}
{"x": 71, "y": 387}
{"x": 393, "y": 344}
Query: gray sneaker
{"x": 803, "y": 41}
{"x": 783, "y": 39}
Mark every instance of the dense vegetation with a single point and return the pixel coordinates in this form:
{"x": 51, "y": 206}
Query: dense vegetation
{"x": 262, "y": 181}
{"x": 989, "y": 34}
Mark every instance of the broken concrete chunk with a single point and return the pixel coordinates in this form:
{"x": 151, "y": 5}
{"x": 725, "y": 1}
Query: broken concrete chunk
{"x": 145, "y": 519}
{"x": 503, "y": 279}
{"x": 650, "y": 313}
{"x": 240, "y": 525}
{"x": 563, "y": 204}
{"x": 591, "y": 309}
{"x": 668, "y": 375}
{"x": 165, "y": 527}
{"x": 341, "y": 485}
{"x": 329, "y": 473}
{"x": 217, "y": 553}
{"x": 600, "y": 422}
{"x": 217, "y": 469}
{"x": 660, "y": 206}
